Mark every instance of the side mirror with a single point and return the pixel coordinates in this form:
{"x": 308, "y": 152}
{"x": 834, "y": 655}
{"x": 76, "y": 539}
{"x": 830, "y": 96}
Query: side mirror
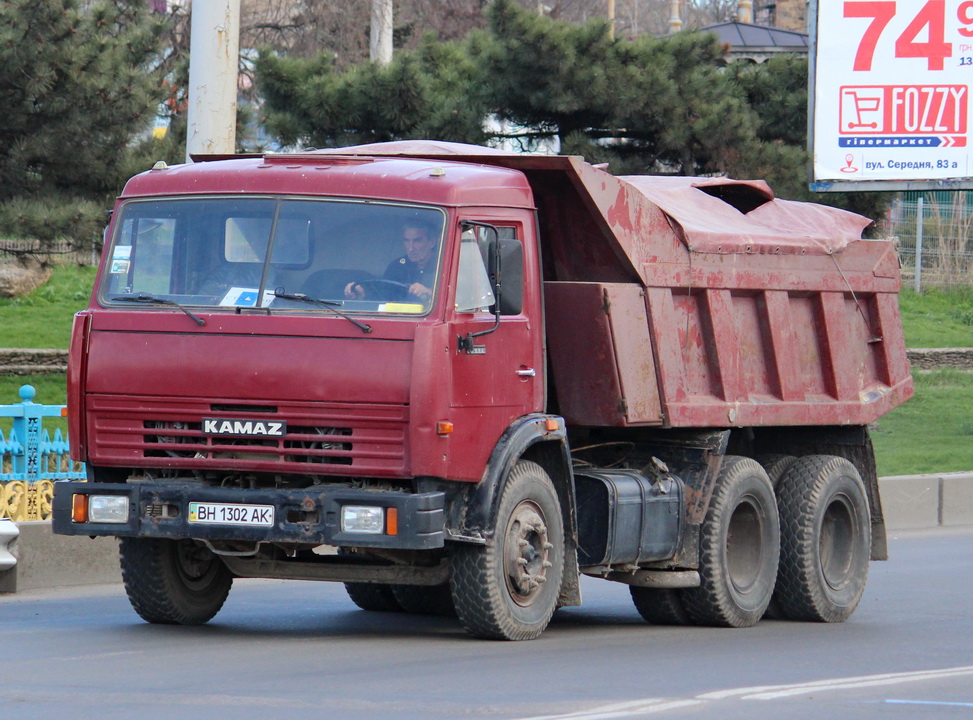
{"x": 511, "y": 257}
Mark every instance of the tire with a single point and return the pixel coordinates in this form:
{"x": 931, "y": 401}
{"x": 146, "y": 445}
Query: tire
{"x": 374, "y": 597}
{"x": 173, "y": 582}
{"x": 508, "y": 588}
{"x": 825, "y": 540}
{"x": 739, "y": 548}
{"x": 425, "y": 600}
{"x": 775, "y": 465}
{"x": 660, "y": 606}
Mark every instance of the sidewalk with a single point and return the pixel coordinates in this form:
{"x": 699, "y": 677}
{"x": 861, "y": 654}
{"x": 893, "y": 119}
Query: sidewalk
{"x": 45, "y": 560}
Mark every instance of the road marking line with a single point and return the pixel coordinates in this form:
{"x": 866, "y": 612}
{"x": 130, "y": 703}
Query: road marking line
{"x": 648, "y": 706}
{"x": 929, "y": 702}
{"x": 621, "y": 710}
{"x": 771, "y": 692}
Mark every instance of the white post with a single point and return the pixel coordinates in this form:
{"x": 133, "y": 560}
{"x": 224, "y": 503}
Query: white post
{"x": 675, "y": 22}
{"x": 380, "y": 45}
{"x": 8, "y": 555}
{"x": 214, "y": 59}
{"x": 918, "y": 274}
{"x": 745, "y": 11}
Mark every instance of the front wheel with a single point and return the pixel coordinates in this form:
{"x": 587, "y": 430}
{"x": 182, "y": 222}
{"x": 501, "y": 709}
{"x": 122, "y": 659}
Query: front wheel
{"x": 739, "y": 548}
{"x": 660, "y": 606}
{"x": 374, "y": 597}
{"x": 825, "y": 539}
{"x": 425, "y": 599}
{"x": 508, "y": 588}
{"x": 173, "y": 582}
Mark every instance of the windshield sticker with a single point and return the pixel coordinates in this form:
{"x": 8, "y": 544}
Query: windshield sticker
{"x": 244, "y": 297}
{"x": 394, "y": 307}
{"x": 121, "y": 259}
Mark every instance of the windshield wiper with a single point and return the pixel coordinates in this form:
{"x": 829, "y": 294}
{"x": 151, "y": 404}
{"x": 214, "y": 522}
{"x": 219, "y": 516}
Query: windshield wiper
{"x": 329, "y": 304}
{"x": 153, "y": 300}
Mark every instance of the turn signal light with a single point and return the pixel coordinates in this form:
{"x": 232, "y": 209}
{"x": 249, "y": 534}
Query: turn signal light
{"x": 444, "y": 427}
{"x": 392, "y": 521}
{"x": 79, "y": 508}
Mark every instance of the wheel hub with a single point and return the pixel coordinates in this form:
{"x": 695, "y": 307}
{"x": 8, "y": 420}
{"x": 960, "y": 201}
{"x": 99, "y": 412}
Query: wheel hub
{"x": 527, "y": 552}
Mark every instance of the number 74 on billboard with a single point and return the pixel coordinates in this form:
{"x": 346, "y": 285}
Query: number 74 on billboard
{"x": 891, "y": 93}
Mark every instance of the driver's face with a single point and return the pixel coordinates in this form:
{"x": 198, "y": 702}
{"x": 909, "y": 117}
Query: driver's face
{"x": 418, "y": 247}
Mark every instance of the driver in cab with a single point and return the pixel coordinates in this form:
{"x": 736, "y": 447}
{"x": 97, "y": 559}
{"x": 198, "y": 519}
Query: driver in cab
{"x": 411, "y": 275}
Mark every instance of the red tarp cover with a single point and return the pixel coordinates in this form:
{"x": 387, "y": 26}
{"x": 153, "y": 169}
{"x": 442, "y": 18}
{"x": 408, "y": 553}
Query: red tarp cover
{"x": 710, "y": 225}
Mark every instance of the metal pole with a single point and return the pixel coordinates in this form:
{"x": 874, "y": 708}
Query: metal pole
{"x": 611, "y": 19}
{"x": 214, "y": 59}
{"x": 918, "y": 274}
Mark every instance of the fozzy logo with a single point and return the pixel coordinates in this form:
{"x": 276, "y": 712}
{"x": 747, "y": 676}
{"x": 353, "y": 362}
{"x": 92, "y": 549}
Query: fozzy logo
{"x": 903, "y": 110}
{"x": 244, "y": 427}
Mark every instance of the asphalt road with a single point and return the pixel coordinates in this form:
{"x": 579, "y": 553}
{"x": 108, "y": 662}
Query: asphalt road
{"x": 288, "y": 649}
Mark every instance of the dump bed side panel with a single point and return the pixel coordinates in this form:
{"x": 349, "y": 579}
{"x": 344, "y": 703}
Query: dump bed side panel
{"x": 723, "y": 357}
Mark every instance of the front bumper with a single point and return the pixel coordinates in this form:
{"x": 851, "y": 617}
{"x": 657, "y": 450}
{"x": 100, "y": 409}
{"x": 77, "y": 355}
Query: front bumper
{"x": 311, "y": 516}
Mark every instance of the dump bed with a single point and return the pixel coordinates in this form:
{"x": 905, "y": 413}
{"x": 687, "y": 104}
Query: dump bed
{"x": 704, "y": 302}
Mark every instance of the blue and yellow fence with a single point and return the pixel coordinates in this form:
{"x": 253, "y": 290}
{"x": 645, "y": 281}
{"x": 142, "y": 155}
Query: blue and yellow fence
{"x": 32, "y": 460}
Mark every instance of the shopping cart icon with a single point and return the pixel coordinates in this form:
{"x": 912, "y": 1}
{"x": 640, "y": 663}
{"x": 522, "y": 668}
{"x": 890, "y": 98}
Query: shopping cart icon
{"x": 861, "y": 108}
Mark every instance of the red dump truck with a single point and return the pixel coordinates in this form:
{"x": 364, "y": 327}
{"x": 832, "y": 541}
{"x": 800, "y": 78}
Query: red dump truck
{"x": 457, "y": 379}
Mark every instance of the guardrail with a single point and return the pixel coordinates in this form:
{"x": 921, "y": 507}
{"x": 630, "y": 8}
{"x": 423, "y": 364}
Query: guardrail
{"x": 32, "y": 460}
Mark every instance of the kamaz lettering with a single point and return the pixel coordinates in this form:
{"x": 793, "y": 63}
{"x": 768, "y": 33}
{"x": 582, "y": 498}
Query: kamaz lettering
{"x": 247, "y": 428}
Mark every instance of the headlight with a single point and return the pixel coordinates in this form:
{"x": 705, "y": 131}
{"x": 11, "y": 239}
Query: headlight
{"x": 363, "y": 519}
{"x": 108, "y": 508}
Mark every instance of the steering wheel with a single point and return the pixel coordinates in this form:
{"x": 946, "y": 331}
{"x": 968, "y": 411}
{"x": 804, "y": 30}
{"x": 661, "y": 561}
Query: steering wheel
{"x": 382, "y": 281}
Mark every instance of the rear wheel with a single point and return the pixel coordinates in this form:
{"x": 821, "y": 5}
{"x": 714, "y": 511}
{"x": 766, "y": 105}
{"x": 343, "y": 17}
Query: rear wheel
{"x": 508, "y": 588}
{"x": 376, "y": 597}
{"x": 739, "y": 548}
{"x": 173, "y": 582}
{"x": 776, "y": 465}
{"x": 825, "y": 540}
{"x": 660, "y": 606}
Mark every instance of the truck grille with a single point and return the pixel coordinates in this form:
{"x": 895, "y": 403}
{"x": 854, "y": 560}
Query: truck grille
{"x": 322, "y": 445}
{"x": 332, "y": 439}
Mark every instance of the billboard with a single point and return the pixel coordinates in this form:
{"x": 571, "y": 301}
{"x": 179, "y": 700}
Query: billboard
{"x": 890, "y": 94}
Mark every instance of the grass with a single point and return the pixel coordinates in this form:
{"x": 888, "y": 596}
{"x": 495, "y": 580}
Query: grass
{"x": 937, "y": 318}
{"x": 43, "y": 318}
{"x": 933, "y": 432}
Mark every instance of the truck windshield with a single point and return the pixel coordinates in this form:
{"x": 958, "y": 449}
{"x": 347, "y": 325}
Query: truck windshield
{"x": 236, "y": 252}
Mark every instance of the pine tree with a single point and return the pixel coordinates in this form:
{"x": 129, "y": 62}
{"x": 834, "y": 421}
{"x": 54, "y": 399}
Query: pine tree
{"x": 77, "y": 82}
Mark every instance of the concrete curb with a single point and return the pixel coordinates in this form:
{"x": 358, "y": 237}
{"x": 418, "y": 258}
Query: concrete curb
{"x": 925, "y": 501}
{"x": 45, "y": 560}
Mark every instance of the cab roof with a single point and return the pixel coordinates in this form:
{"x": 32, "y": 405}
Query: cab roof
{"x": 428, "y": 181}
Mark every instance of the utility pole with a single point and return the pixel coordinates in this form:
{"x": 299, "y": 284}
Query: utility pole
{"x": 611, "y": 19}
{"x": 380, "y": 45}
{"x": 214, "y": 60}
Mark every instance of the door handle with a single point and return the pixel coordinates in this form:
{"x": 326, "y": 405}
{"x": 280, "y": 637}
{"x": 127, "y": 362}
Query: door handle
{"x": 526, "y": 372}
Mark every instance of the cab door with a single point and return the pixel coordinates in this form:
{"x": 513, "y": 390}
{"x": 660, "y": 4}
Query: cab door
{"x": 497, "y": 358}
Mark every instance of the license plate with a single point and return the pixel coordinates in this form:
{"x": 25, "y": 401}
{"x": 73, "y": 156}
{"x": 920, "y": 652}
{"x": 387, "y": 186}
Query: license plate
{"x": 231, "y": 514}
